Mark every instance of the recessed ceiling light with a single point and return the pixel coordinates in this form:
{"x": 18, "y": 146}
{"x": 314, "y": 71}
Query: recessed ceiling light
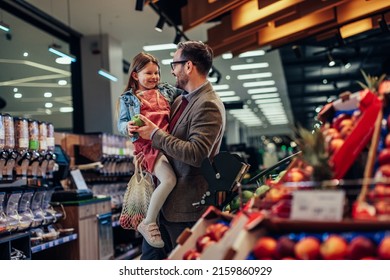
{"x": 48, "y": 105}
{"x": 249, "y": 66}
{"x": 220, "y": 87}
{"x": 18, "y": 95}
{"x": 254, "y": 76}
{"x": 262, "y": 90}
{"x": 66, "y": 109}
{"x": 226, "y": 93}
{"x": 159, "y": 47}
{"x": 63, "y": 60}
{"x": 227, "y": 56}
{"x": 230, "y": 98}
{"x": 62, "y": 82}
{"x": 259, "y": 84}
{"x": 252, "y": 53}
{"x": 47, "y": 94}
{"x": 15, "y": 89}
{"x": 265, "y": 96}
{"x": 25, "y": 54}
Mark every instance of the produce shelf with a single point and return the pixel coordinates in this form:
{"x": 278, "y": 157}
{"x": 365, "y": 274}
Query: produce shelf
{"x": 50, "y": 244}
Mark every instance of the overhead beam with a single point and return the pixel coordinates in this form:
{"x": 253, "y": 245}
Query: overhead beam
{"x": 200, "y": 11}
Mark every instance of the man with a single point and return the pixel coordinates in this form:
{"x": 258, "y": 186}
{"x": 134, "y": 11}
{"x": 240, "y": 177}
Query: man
{"x": 196, "y": 135}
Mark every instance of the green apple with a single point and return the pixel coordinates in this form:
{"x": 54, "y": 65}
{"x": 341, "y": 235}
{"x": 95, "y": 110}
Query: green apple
{"x": 261, "y": 190}
{"x": 137, "y": 121}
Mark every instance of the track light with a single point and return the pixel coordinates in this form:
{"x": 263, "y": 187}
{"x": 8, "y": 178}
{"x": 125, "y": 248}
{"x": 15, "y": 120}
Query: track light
{"x": 139, "y": 5}
{"x": 297, "y": 51}
{"x": 177, "y": 38}
{"x": 160, "y": 24}
{"x": 108, "y": 75}
{"x": 331, "y": 60}
{"x": 346, "y": 63}
{"x": 55, "y": 49}
{"x": 5, "y": 27}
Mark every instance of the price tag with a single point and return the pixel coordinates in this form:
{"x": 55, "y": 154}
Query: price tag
{"x": 78, "y": 179}
{"x": 318, "y": 205}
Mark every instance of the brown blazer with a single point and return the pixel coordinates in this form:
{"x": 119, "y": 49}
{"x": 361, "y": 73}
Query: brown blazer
{"x": 197, "y": 135}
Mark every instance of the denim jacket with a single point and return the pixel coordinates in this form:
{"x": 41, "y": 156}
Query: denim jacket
{"x": 129, "y": 105}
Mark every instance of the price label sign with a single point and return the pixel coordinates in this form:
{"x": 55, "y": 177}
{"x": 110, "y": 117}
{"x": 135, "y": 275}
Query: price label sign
{"x": 318, "y": 205}
{"x": 78, "y": 179}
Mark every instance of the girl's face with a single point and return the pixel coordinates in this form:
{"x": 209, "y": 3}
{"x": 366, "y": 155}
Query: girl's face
{"x": 148, "y": 77}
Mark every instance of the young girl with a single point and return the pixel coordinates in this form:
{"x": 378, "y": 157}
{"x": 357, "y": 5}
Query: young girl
{"x": 145, "y": 95}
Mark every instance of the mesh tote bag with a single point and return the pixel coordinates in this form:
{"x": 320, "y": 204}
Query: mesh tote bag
{"x": 136, "y": 199}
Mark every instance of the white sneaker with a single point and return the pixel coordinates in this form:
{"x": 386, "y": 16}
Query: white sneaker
{"x": 151, "y": 233}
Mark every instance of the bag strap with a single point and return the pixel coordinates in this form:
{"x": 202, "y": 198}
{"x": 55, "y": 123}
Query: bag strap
{"x": 138, "y": 171}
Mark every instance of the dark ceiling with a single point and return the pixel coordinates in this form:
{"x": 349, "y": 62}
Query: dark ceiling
{"x": 306, "y": 64}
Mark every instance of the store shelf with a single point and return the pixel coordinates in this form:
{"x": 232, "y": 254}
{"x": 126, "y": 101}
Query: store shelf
{"x": 50, "y": 244}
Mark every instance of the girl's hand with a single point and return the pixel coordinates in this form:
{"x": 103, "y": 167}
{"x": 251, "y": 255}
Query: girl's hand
{"x": 146, "y": 130}
{"x": 131, "y": 128}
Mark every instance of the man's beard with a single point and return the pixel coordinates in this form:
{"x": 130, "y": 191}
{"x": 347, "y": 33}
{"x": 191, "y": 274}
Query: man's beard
{"x": 181, "y": 80}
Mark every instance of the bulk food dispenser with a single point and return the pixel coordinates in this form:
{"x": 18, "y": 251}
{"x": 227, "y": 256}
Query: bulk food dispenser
{"x": 21, "y": 147}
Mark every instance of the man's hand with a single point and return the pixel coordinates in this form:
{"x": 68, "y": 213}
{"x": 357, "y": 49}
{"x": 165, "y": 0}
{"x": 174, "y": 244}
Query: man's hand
{"x": 144, "y": 131}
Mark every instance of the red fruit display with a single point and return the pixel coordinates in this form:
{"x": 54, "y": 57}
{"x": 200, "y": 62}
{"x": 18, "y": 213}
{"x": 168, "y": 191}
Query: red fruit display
{"x": 334, "y": 248}
{"x": 360, "y": 247}
{"x": 265, "y": 248}
{"x": 203, "y": 241}
{"x": 191, "y": 254}
{"x": 216, "y": 231}
{"x": 308, "y": 248}
{"x": 285, "y": 248}
{"x": 295, "y": 175}
{"x": 384, "y": 156}
{"x": 383, "y": 249}
{"x": 387, "y": 140}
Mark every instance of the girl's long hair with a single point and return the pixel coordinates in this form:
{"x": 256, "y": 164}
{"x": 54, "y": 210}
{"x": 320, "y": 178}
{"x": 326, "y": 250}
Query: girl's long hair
{"x": 138, "y": 63}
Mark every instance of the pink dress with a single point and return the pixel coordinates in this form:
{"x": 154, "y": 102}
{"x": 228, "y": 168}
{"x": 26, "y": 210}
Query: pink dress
{"x": 156, "y": 108}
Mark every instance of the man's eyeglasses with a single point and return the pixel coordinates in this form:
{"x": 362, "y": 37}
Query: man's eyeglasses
{"x": 175, "y": 62}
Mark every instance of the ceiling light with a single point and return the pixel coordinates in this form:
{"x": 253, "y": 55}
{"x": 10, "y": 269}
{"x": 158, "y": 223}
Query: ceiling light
{"x": 5, "y": 27}
{"x": 346, "y": 63}
{"x": 271, "y": 100}
{"x": 62, "y": 82}
{"x": 160, "y": 24}
{"x": 47, "y": 94}
{"x": 48, "y": 105}
{"x": 227, "y": 56}
{"x": 265, "y": 96}
{"x": 262, "y": 90}
{"x": 331, "y": 60}
{"x": 249, "y": 66}
{"x": 259, "y": 84}
{"x": 166, "y": 61}
{"x": 15, "y": 89}
{"x": 159, "y": 47}
{"x": 108, "y": 75}
{"x": 226, "y": 93}
{"x": 54, "y": 49}
{"x": 230, "y": 98}
{"x": 63, "y": 60}
{"x": 220, "y": 87}
{"x": 66, "y": 109}
{"x": 25, "y": 54}
{"x": 18, "y": 95}
{"x": 297, "y": 51}
{"x": 212, "y": 79}
{"x": 254, "y": 76}
{"x": 139, "y": 5}
{"x": 252, "y": 53}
